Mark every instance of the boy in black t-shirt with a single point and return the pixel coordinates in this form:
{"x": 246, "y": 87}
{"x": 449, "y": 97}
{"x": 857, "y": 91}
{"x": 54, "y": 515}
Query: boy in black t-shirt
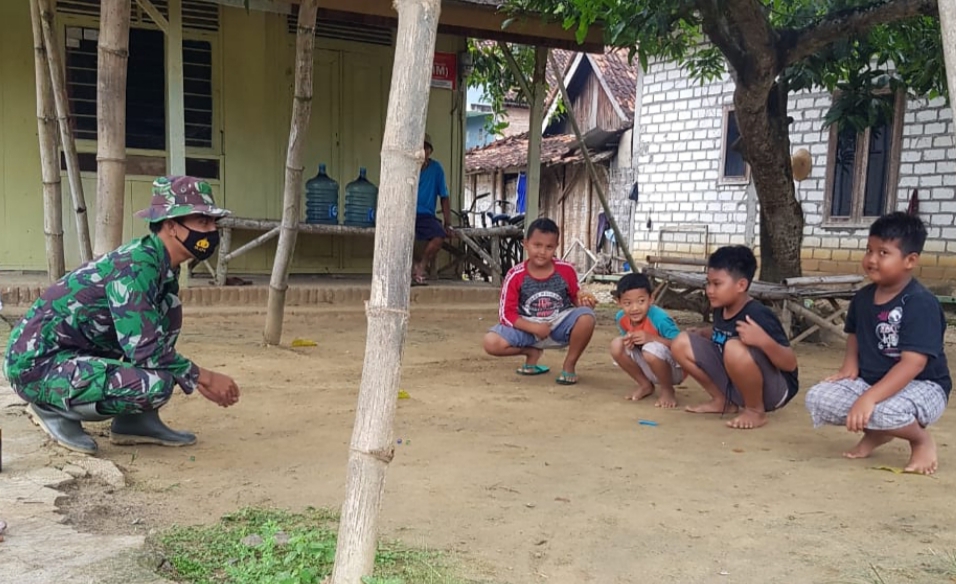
{"x": 894, "y": 381}
{"x": 744, "y": 360}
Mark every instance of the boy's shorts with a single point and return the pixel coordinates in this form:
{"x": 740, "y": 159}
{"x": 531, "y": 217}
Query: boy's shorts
{"x": 829, "y": 402}
{"x": 560, "y": 332}
{"x": 711, "y": 361}
{"x": 662, "y": 352}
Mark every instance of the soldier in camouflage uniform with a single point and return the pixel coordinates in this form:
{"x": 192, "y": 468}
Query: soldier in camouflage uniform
{"x": 101, "y": 342}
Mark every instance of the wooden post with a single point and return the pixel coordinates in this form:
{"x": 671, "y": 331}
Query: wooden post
{"x": 292, "y": 195}
{"x": 372, "y": 446}
{"x": 497, "y": 276}
{"x": 535, "y": 121}
{"x": 625, "y": 245}
{"x": 66, "y": 129}
{"x": 947, "y": 24}
{"x": 111, "y": 62}
{"x": 225, "y": 244}
{"x": 49, "y": 154}
{"x": 176, "y": 126}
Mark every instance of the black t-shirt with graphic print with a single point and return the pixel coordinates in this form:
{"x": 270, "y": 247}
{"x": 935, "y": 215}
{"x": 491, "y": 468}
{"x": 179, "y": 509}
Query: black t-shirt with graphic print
{"x": 912, "y": 321}
{"x": 726, "y": 329}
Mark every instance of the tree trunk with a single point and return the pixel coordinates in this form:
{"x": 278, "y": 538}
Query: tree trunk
{"x": 49, "y": 154}
{"x": 372, "y": 446}
{"x": 947, "y": 23}
{"x": 112, "y": 56}
{"x": 66, "y": 132}
{"x": 292, "y": 194}
{"x": 765, "y": 144}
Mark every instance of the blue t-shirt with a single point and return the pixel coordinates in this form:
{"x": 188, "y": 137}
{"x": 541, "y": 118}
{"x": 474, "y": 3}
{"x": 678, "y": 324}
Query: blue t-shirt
{"x": 431, "y": 185}
{"x": 912, "y": 321}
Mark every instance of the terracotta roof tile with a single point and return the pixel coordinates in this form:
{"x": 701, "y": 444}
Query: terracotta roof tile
{"x": 621, "y": 77}
{"x": 512, "y": 153}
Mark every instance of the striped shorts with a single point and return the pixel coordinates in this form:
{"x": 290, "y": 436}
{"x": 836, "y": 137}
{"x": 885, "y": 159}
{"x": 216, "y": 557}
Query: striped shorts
{"x": 829, "y": 402}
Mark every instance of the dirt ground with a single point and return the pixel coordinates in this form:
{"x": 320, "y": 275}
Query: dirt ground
{"x": 528, "y": 481}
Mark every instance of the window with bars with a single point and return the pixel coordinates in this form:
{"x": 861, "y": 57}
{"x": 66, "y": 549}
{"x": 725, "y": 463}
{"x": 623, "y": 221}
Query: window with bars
{"x": 863, "y": 170}
{"x": 145, "y": 87}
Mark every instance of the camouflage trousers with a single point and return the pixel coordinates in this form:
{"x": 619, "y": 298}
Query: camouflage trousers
{"x": 116, "y": 387}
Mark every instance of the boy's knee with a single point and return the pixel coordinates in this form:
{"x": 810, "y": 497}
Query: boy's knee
{"x": 617, "y": 347}
{"x": 681, "y": 348}
{"x": 586, "y": 320}
{"x": 493, "y": 343}
{"x": 737, "y": 355}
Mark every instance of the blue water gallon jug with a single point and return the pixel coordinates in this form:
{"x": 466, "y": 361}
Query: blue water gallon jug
{"x": 322, "y": 199}
{"x": 361, "y": 199}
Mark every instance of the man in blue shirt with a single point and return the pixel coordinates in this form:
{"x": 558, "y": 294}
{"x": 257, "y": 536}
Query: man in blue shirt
{"x": 431, "y": 185}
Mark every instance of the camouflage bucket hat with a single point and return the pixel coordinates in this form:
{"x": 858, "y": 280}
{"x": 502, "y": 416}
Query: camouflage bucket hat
{"x": 179, "y": 196}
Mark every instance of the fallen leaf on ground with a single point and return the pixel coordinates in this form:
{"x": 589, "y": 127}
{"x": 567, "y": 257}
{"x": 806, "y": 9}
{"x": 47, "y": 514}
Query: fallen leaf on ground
{"x": 304, "y": 343}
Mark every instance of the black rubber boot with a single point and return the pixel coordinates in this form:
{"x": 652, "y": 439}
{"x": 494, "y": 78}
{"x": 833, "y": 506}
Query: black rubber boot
{"x": 147, "y": 428}
{"x": 65, "y": 429}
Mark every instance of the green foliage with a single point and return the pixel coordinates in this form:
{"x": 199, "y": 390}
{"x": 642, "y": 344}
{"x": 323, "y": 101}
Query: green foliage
{"x": 491, "y": 72}
{"x": 296, "y": 548}
{"x": 903, "y": 55}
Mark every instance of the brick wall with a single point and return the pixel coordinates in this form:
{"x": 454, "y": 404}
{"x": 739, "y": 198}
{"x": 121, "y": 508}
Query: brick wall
{"x": 678, "y": 154}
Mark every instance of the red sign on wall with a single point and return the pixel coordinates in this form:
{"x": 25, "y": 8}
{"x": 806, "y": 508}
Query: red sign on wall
{"x": 445, "y": 71}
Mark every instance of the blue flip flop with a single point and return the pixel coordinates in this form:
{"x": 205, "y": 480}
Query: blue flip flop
{"x": 532, "y": 370}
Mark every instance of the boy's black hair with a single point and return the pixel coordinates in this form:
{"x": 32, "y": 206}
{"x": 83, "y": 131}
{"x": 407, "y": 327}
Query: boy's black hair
{"x": 908, "y": 231}
{"x": 544, "y": 225}
{"x": 736, "y": 260}
{"x": 633, "y": 282}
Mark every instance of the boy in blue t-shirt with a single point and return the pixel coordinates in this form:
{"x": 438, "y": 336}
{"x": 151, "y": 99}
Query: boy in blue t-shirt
{"x": 643, "y": 350}
{"x": 894, "y": 381}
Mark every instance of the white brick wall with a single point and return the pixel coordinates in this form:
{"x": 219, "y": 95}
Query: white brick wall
{"x": 678, "y": 158}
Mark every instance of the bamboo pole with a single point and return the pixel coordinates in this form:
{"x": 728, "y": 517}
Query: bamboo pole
{"x": 625, "y": 246}
{"x": 66, "y": 129}
{"x": 225, "y": 244}
{"x": 292, "y": 195}
{"x": 372, "y": 445}
{"x": 536, "y": 121}
{"x": 49, "y": 154}
{"x": 111, "y": 62}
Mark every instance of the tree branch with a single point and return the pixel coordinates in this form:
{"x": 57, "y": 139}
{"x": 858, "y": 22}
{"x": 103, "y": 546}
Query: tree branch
{"x": 516, "y": 71}
{"x": 798, "y": 44}
{"x": 742, "y": 31}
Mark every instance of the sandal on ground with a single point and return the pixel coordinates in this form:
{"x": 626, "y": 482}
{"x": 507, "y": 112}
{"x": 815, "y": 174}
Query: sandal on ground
{"x": 532, "y": 369}
{"x": 567, "y": 378}
{"x": 418, "y": 280}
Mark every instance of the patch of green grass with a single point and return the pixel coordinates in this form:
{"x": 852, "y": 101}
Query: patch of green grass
{"x": 295, "y": 548}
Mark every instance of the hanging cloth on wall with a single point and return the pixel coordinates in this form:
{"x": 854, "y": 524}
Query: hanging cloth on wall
{"x": 633, "y": 195}
{"x": 913, "y": 207}
{"x": 522, "y": 202}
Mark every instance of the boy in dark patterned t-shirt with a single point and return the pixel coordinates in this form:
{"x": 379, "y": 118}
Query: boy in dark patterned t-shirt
{"x": 541, "y": 307}
{"x": 895, "y": 380}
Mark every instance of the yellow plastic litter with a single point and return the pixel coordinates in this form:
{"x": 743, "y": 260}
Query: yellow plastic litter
{"x": 304, "y": 343}
{"x": 402, "y": 394}
{"x": 897, "y": 470}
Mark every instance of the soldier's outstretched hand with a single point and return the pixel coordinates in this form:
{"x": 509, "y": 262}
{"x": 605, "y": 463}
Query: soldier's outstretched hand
{"x": 219, "y": 389}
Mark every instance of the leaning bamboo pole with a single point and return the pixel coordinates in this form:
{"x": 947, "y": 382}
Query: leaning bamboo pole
{"x": 49, "y": 159}
{"x": 595, "y": 179}
{"x": 372, "y": 446}
{"x": 111, "y": 62}
{"x": 66, "y": 130}
{"x": 292, "y": 195}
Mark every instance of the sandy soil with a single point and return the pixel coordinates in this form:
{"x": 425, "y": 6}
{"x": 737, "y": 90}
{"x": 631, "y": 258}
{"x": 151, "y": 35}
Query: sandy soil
{"x": 528, "y": 481}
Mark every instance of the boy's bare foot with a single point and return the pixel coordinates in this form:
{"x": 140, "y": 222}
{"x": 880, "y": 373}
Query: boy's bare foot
{"x": 748, "y": 420}
{"x": 714, "y": 406}
{"x": 923, "y": 459}
{"x": 641, "y": 392}
{"x": 865, "y": 447}
{"x": 667, "y": 400}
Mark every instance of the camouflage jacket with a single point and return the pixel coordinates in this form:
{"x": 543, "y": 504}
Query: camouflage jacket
{"x": 123, "y": 306}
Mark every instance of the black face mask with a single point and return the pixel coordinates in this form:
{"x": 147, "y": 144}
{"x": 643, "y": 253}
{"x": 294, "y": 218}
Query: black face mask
{"x": 202, "y": 244}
